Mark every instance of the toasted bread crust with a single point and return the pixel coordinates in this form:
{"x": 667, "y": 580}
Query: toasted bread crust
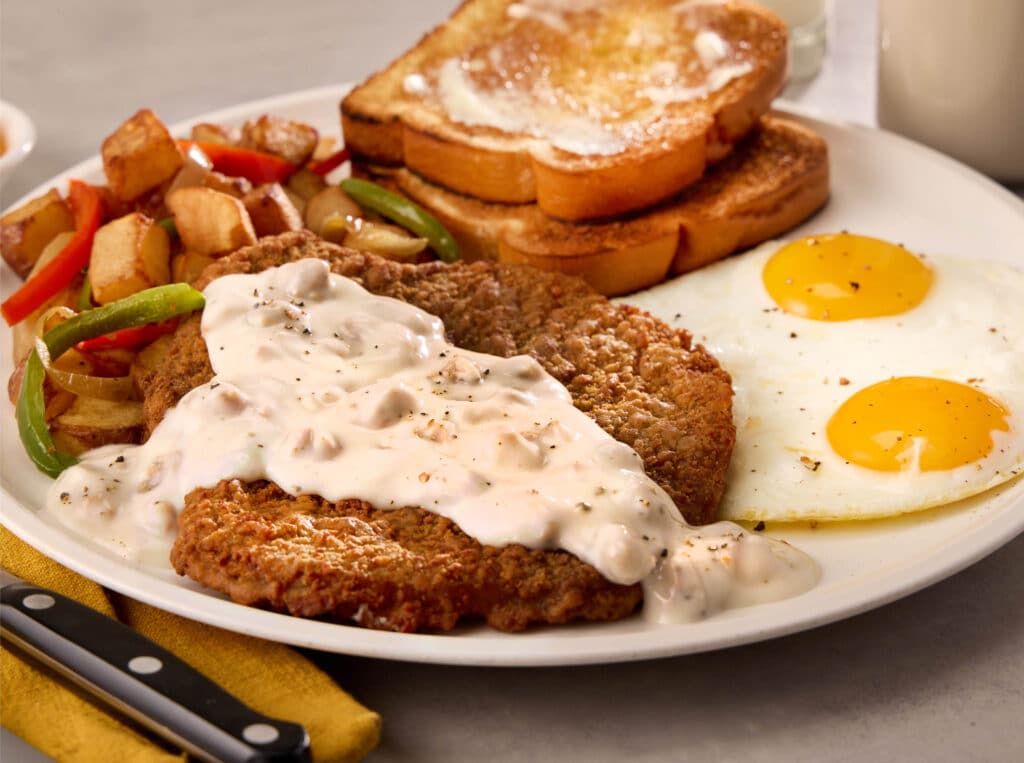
{"x": 669, "y": 143}
{"x": 776, "y": 177}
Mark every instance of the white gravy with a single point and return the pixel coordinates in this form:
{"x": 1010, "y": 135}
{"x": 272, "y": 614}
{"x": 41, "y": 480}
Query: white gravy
{"x": 326, "y": 389}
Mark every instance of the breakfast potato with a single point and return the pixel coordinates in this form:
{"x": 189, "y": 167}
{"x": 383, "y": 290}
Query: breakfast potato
{"x": 193, "y": 172}
{"x": 187, "y": 266}
{"x": 232, "y": 186}
{"x": 129, "y": 254}
{"x": 330, "y": 202}
{"x": 297, "y": 201}
{"x": 325, "y": 147}
{"x": 290, "y": 140}
{"x": 140, "y": 155}
{"x": 148, "y": 361}
{"x": 210, "y": 222}
{"x": 25, "y": 231}
{"x": 271, "y": 211}
{"x": 90, "y": 422}
{"x": 208, "y": 132}
{"x": 306, "y": 184}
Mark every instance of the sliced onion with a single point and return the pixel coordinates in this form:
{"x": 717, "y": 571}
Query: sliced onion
{"x": 105, "y": 388}
{"x": 381, "y": 238}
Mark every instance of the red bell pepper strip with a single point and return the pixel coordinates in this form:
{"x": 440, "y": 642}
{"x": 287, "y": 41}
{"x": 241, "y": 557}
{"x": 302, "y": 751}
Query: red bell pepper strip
{"x": 331, "y": 163}
{"x": 129, "y": 338}
{"x": 58, "y": 273}
{"x": 256, "y": 166}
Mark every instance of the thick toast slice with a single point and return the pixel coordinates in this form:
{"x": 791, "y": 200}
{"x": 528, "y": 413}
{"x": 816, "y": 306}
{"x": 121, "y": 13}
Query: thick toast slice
{"x": 592, "y": 108}
{"x": 774, "y": 179}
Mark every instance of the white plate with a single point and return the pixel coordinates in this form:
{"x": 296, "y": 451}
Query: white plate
{"x": 19, "y": 135}
{"x": 882, "y": 185}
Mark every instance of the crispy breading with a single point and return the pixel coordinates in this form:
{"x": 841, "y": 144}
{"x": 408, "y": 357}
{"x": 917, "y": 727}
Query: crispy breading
{"x": 643, "y": 382}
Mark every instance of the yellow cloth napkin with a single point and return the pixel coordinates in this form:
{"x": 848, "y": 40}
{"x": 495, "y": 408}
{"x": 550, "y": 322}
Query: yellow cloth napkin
{"x": 269, "y": 677}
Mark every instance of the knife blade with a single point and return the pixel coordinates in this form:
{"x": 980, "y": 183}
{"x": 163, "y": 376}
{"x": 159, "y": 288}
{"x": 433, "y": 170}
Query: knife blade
{"x": 141, "y": 679}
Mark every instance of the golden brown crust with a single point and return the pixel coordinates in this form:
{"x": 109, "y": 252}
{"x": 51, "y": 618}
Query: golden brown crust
{"x": 396, "y": 569}
{"x": 587, "y": 60}
{"x": 643, "y": 382}
{"x": 773, "y": 180}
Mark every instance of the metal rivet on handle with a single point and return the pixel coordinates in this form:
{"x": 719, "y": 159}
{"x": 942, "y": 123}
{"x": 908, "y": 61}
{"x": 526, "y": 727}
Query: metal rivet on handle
{"x": 260, "y": 733}
{"x": 144, "y": 665}
{"x": 38, "y": 601}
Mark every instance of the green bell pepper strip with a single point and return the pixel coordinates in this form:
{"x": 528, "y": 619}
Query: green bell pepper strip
{"x": 149, "y": 306}
{"x": 405, "y": 213}
{"x": 85, "y": 296}
{"x": 168, "y": 225}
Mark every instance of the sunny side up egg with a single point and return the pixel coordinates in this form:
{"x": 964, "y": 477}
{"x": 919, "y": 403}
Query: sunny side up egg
{"x": 869, "y": 381}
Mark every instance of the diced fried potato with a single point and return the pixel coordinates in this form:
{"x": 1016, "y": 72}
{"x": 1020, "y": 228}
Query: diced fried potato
{"x": 110, "y": 205}
{"x": 25, "y": 231}
{"x": 208, "y": 132}
{"x": 210, "y": 222}
{"x": 187, "y": 266}
{"x": 110, "y": 361}
{"x": 193, "y": 172}
{"x": 92, "y": 422}
{"x": 290, "y": 140}
{"x": 148, "y": 362}
{"x": 326, "y": 146}
{"x": 232, "y": 186}
{"x": 330, "y": 202}
{"x": 130, "y": 254}
{"x": 57, "y": 403}
{"x": 306, "y": 184}
{"x": 271, "y": 210}
{"x": 297, "y": 201}
{"x": 140, "y": 155}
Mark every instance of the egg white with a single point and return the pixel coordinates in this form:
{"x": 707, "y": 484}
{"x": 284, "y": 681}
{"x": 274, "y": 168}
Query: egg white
{"x": 790, "y": 374}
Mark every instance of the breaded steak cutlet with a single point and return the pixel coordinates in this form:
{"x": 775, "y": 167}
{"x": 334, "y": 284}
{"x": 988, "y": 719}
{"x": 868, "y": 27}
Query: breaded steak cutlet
{"x": 408, "y": 569}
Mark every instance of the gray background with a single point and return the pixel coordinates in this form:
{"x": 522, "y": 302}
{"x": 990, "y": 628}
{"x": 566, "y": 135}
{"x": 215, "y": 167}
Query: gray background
{"x": 938, "y": 676}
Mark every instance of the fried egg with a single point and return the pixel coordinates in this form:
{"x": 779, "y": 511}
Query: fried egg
{"x": 869, "y": 381}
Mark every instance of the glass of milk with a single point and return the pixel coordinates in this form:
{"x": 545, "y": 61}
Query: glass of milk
{"x": 806, "y": 21}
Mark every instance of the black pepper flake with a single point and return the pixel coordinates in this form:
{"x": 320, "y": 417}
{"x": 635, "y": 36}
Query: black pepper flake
{"x": 215, "y": 385}
{"x": 678, "y": 316}
{"x": 306, "y": 331}
{"x": 759, "y": 527}
{"x": 119, "y": 460}
{"x": 664, "y": 553}
{"x": 854, "y": 285}
{"x": 792, "y": 335}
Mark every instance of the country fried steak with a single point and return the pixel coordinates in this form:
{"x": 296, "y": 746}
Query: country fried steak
{"x": 408, "y": 569}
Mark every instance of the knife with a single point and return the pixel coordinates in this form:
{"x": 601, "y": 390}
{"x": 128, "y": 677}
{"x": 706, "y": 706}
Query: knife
{"x": 141, "y": 679}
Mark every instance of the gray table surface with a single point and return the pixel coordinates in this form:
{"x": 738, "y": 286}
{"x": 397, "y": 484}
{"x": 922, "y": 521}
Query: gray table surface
{"x": 938, "y": 676}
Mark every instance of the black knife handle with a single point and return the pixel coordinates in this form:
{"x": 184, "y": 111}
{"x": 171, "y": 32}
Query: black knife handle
{"x": 144, "y": 680}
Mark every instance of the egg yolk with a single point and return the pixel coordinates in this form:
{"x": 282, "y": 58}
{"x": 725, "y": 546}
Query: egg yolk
{"x": 840, "y": 277}
{"x": 912, "y": 423}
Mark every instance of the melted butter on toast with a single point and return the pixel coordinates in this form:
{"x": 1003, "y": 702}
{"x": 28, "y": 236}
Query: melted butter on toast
{"x": 590, "y": 78}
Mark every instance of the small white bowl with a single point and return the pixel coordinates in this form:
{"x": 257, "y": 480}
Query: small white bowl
{"x": 19, "y": 136}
